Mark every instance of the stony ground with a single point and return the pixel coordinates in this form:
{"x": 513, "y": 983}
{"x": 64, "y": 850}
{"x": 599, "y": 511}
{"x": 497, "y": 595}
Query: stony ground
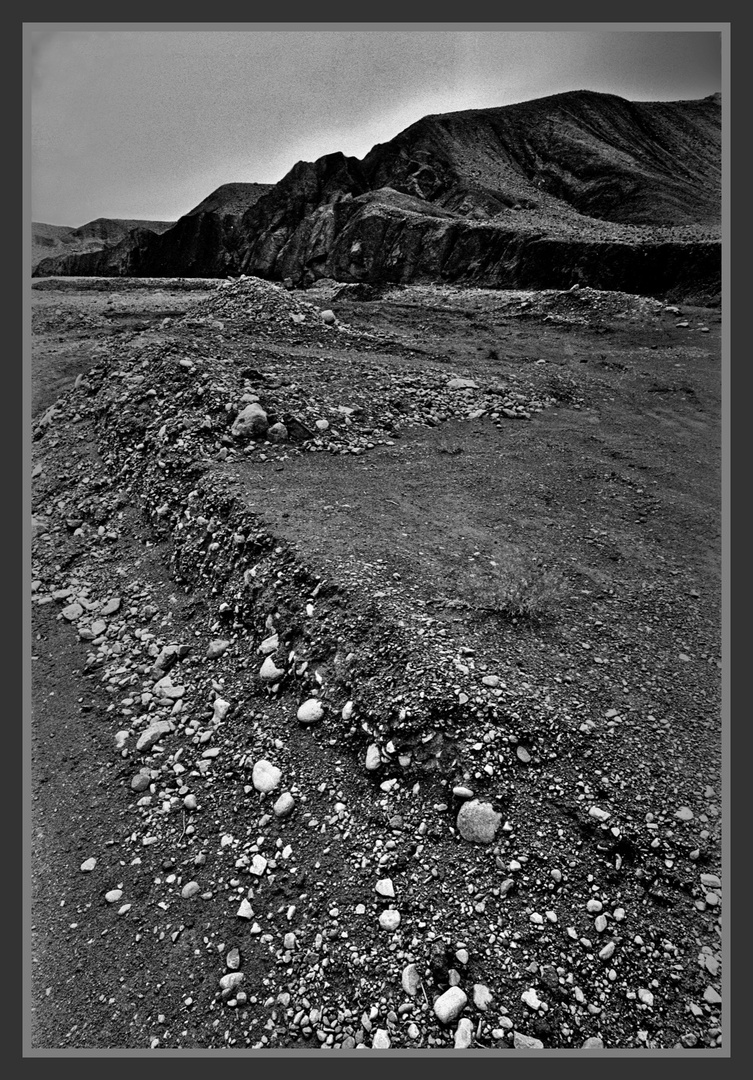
{"x": 376, "y": 669}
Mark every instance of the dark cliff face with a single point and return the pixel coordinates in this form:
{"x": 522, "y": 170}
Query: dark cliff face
{"x": 536, "y": 194}
{"x": 54, "y": 241}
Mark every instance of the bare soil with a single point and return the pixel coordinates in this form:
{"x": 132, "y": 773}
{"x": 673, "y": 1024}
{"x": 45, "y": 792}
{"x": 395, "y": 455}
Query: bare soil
{"x": 553, "y": 528}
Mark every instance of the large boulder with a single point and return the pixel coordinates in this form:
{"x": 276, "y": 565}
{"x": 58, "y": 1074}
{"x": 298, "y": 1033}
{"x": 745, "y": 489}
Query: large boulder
{"x": 250, "y": 423}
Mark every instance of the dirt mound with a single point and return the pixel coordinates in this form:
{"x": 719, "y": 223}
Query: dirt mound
{"x": 265, "y": 308}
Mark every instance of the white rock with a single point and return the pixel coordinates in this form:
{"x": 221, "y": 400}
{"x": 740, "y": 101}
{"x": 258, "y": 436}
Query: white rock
{"x": 389, "y": 919}
{"x": 220, "y": 710}
{"x": 231, "y": 980}
{"x": 113, "y": 895}
{"x": 646, "y": 996}
{"x": 594, "y": 1043}
{"x": 599, "y": 814}
{"x": 269, "y": 644}
{"x": 450, "y": 1004}
{"x": 88, "y": 865}
{"x": 310, "y": 711}
{"x": 347, "y": 710}
{"x": 482, "y": 996}
{"x": 373, "y": 757}
{"x": 245, "y": 911}
{"x": 284, "y": 805}
{"x": 258, "y": 865}
{"x": 526, "y": 1042}
{"x": 381, "y": 1040}
{"x": 265, "y": 776}
{"x": 269, "y": 671}
{"x": 153, "y": 734}
{"x": 478, "y": 821}
{"x": 411, "y": 979}
{"x": 530, "y": 998}
{"x": 463, "y": 1034}
{"x": 385, "y": 887}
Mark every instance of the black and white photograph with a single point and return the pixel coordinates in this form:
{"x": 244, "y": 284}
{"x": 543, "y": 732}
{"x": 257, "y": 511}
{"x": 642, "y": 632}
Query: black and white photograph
{"x": 376, "y": 476}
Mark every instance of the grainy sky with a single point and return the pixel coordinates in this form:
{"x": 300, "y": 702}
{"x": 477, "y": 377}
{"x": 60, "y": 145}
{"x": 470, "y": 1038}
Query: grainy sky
{"x": 146, "y": 124}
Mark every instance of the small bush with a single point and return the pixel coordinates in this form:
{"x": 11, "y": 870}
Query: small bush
{"x": 524, "y": 590}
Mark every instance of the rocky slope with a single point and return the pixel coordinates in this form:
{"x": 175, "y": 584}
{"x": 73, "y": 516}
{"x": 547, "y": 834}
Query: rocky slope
{"x": 576, "y": 187}
{"x": 63, "y": 241}
{"x": 302, "y": 773}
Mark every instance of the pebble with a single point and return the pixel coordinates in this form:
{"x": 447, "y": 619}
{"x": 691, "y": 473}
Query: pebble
{"x": 258, "y": 865}
{"x": 88, "y": 865}
{"x": 482, "y": 996}
{"x": 231, "y": 980}
{"x": 711, "y": 881}
{"x": 111, "y": 606}
{"x": 385, "y": 888}
{"x": 389, "y": 919}
{"x": 245, "y": 911}
{"x": 269, "y": 671}
{"x": 190, "y": 802}
{"x": 380, "y": 1040}
{"x": 220, "y": 710}
{"x": 269, "y": 645}
{"x": 594, "y": 1043}
{"x": 593, "y": 907}
{"x": 113, "y": 895}
{"x": 233, "y": 959}
{"x": 373, "y": 757}
{"x": 265, "y": 776}
{"x": 153, "y": 734}
{"x": 284, "y": 805}
{"x": 462, "y": 792}
{"x": 478, "y": 821}
{"x": 190, "y": 889}
{"x": 531, "y": 999}
{"x": 463, "y": 1034}
{"x": 522, "y": 754}
{"x": 411, "y": 980}
{"x": 217, "y": 648}
{"x": 140, "y": 782}
{"x": 450, "y": 1004}
{"x": 599, "y": 814}
{"x": 608, "y": 951}
{"x": 684, "y": 813}
{"x": 310, "y": 711}
{"x": 646, "y": 996}
{"x": 491, "y": 680}
{"x": 711, "y": 996}
{"x": 526, "y": 1042}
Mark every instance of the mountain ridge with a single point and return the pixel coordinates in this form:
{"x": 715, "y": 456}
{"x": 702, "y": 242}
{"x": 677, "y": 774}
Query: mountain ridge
{"x": 584, "y": 173}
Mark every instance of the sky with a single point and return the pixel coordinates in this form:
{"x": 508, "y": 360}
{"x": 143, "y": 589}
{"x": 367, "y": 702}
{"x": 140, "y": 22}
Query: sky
{"x": 144, "y": 124}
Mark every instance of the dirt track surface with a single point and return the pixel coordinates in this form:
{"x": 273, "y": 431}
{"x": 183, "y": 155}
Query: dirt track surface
{"x": 384, "y": 551}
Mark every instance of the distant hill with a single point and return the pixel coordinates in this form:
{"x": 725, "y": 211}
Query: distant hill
{"x": 52, "y": 240}
{"x": 579, "y": 186}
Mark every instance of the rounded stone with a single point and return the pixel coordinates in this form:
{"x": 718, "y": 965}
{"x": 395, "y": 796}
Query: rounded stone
{"x": 311, "y": 711}
{"x": 269, "y": 671}
{"x": 478, "y": 821}
{"x": 450, "y": 1004}
{"x": 389, "y": 920}
{"x": 250, "y": 423}
{"x": 284, "y": 805}
{"x": 265, "y": 776}
{"x": 463, "y": 1034}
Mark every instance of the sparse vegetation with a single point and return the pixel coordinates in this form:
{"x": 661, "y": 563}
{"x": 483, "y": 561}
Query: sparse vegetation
{"x": 522, "y": 590}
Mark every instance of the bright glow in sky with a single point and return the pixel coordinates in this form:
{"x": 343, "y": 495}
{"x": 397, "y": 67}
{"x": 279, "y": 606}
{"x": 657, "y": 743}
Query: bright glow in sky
{"x": 146, "y": 124}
